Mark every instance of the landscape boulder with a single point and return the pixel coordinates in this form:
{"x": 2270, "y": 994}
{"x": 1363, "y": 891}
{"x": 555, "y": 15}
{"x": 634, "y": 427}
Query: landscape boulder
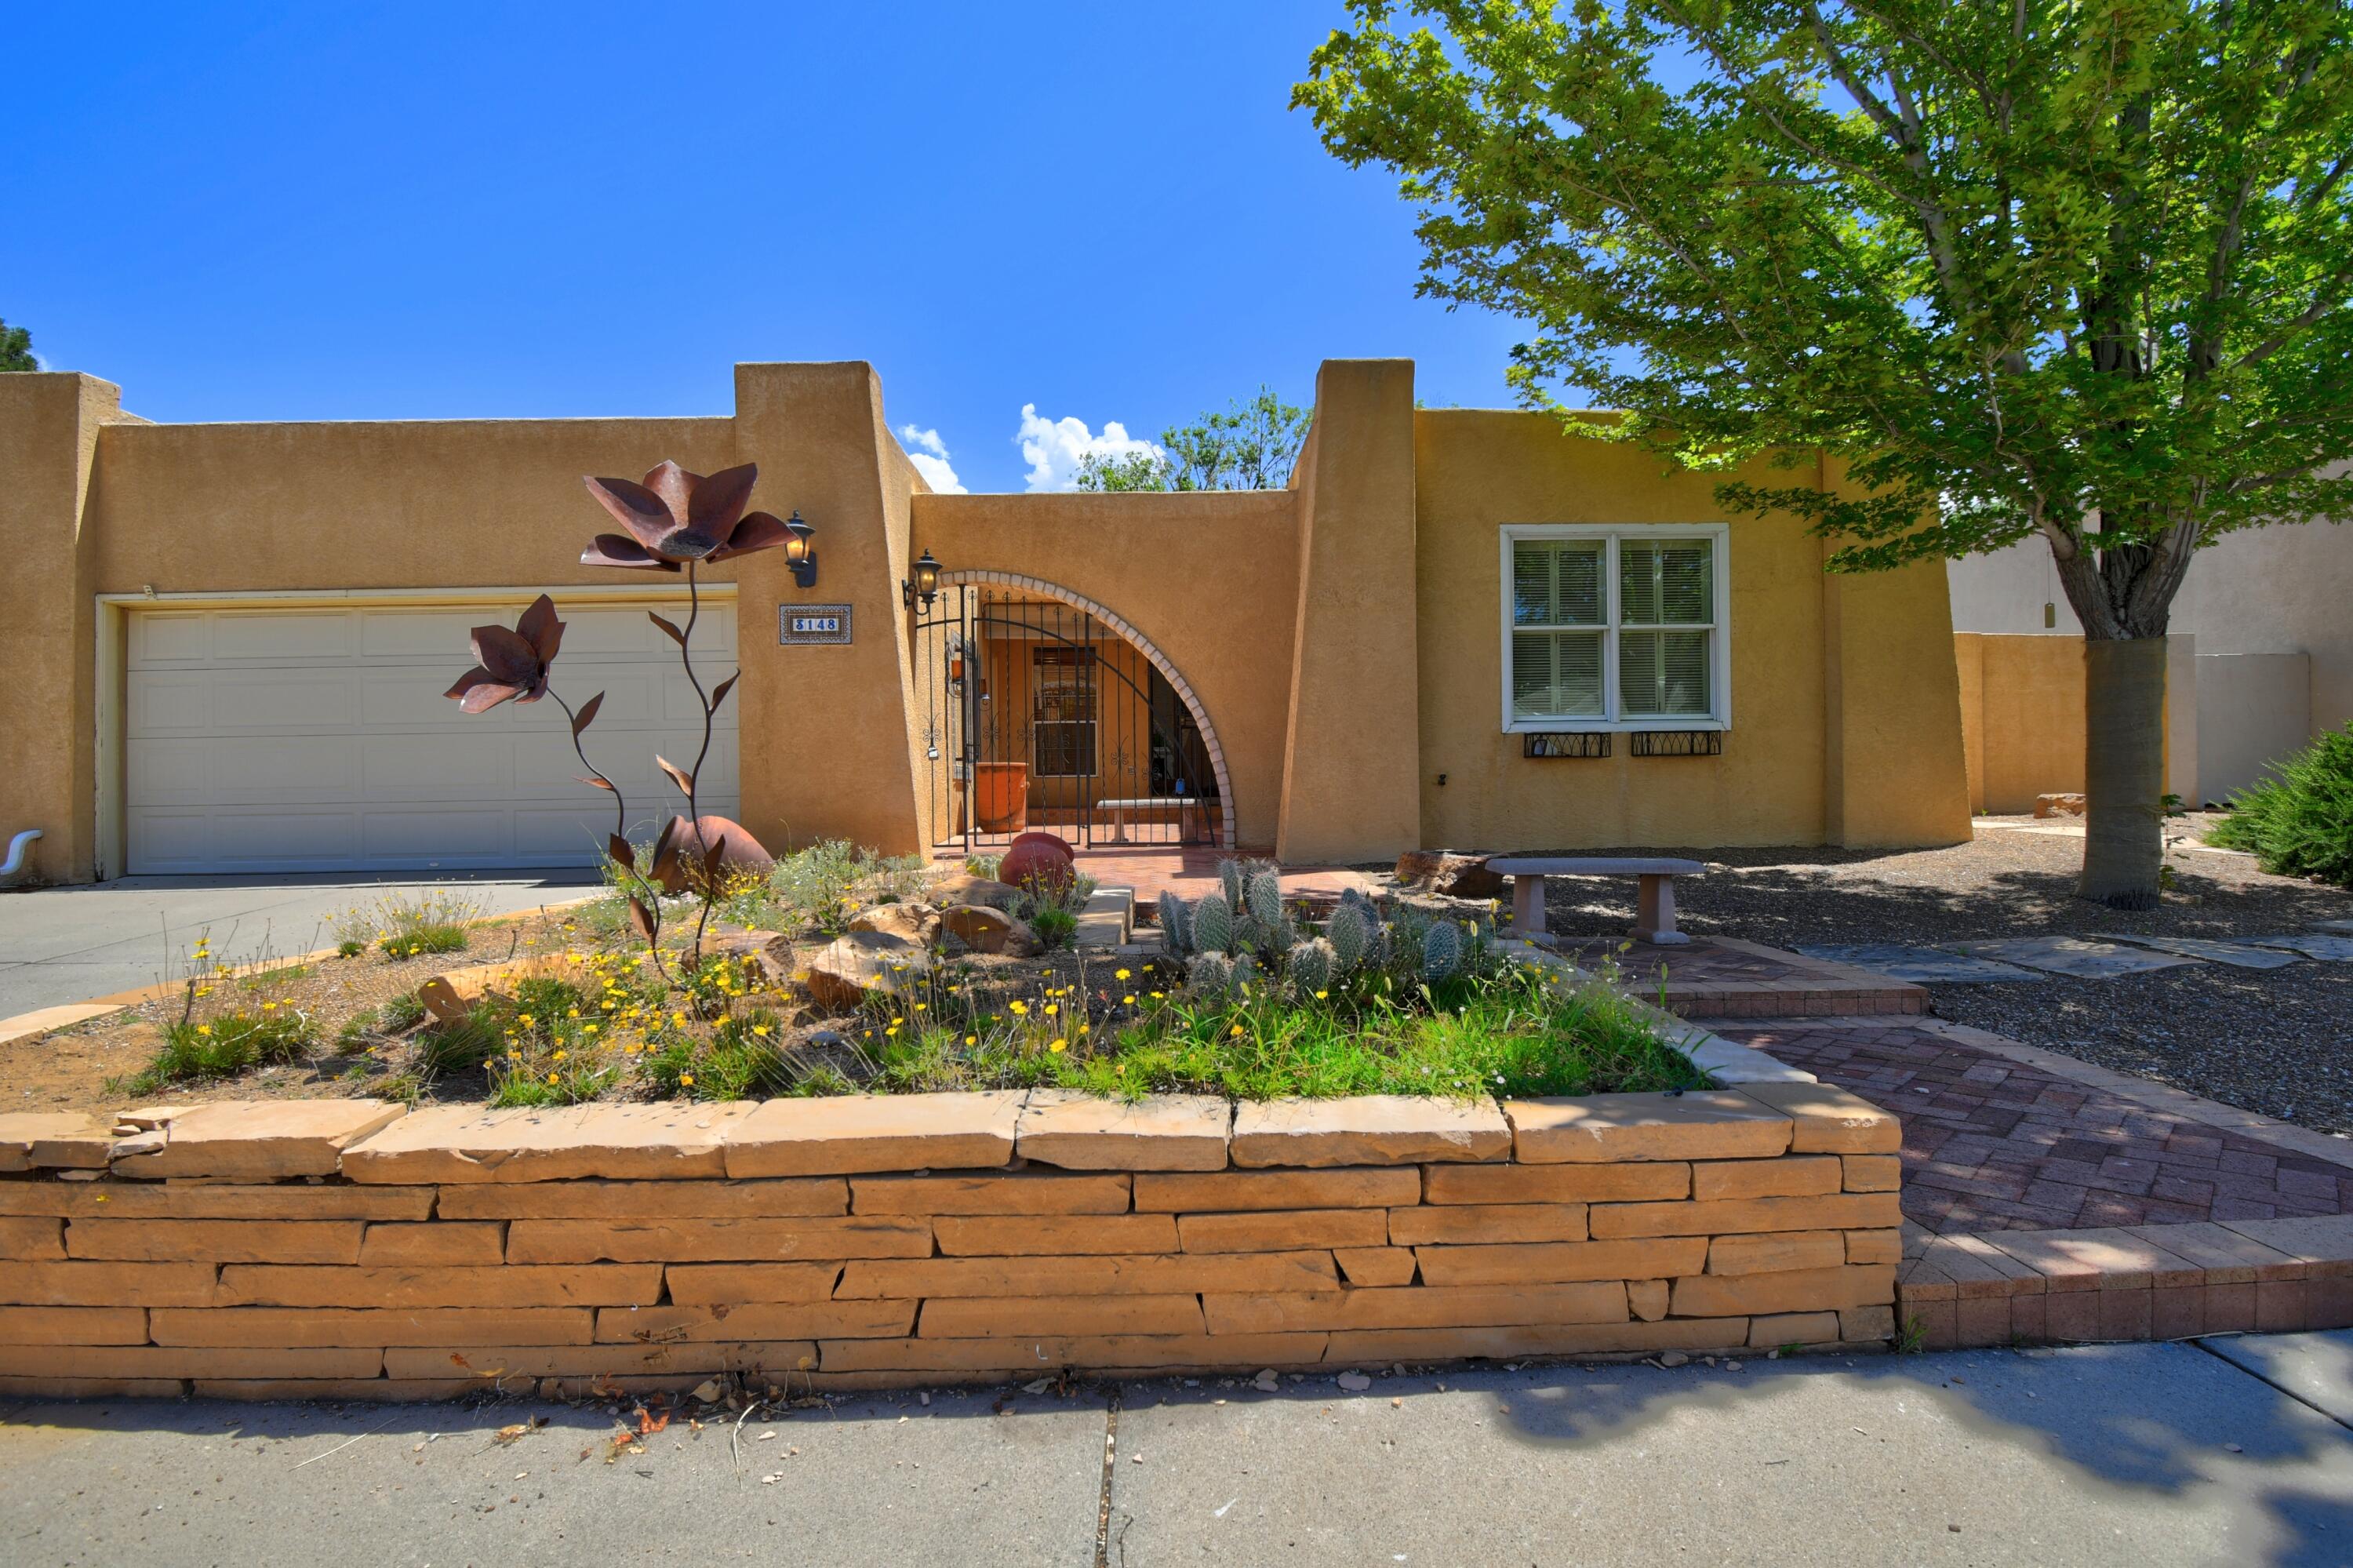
{"x": 2060, "y": 805}
{"x": 988, "y": 930}
{"x": 963, "y": 887}
{"x": 845, "y": 972}
{"x": 1449, "y": 874}
{"x": 917, "y": 922}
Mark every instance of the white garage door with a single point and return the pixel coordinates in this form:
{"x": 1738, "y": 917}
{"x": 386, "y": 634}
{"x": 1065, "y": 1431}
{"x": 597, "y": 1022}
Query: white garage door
{"x": 317, "y": 739}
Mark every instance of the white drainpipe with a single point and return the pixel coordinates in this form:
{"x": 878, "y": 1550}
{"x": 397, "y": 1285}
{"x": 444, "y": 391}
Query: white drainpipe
{"x": 16, "y": 861}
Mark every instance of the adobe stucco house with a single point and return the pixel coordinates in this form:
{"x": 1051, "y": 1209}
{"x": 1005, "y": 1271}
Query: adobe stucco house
{"x": 226, "y": 644}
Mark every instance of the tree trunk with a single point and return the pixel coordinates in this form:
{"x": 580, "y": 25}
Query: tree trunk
{"x": 2124, "y": 768}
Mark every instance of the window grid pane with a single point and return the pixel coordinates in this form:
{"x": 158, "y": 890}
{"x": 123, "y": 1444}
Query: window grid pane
{"x": 1555, "y": 674}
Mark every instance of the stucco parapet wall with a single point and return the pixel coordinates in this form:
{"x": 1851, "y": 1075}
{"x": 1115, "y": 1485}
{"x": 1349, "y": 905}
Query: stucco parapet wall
{"x": 377, "y": 1143}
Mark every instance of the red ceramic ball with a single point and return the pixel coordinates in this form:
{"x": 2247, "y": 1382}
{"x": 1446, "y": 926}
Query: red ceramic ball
{"x": 1041, "y": 860}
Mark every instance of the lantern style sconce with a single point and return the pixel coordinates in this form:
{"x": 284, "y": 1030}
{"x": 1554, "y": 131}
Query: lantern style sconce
{"x": 800, "y": 554}
{"x": 924, "y": 585}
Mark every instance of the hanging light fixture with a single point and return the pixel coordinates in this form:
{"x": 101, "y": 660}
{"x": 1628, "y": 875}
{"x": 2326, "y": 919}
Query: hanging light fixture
{"x": 924, "y": 585}
{"x": 800, "y": 554}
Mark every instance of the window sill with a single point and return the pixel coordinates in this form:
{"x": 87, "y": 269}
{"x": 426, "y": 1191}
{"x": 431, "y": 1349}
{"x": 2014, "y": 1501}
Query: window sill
{"x": 1610, "y": 727}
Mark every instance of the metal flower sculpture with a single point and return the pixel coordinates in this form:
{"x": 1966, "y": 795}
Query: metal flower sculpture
{"x": 510, "y": 664}
{"x": 677, "y": 518}
{"x": 676, "y": 521}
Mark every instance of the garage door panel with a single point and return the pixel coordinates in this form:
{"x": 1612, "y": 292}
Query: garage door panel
{"x": 485, "y": 837}
{"x": 320, "y": 740}
{"x": 282, "y": 635}
{"x": 171, "y": 702}
{"x": 161, "y": 637}
{"x": 279, "y": 699}
{"x": 451, "y": 768}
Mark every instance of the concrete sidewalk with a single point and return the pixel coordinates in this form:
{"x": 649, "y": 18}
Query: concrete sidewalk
{"x": 2231, "y": 1453}
{"x": 69, "y": 944}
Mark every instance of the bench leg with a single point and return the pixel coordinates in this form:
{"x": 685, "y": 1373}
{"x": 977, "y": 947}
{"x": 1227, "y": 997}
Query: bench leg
{"x": 1654, "y": 912}
{"x": 1118, "y": 826}
{"x": 1527, "y": 907}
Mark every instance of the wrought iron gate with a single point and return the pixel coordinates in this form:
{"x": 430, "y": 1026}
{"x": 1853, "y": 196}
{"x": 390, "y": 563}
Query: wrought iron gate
{"x": 1038, "y": 716}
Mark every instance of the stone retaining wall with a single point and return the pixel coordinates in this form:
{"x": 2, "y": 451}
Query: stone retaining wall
{"x": 342, "y": 1249}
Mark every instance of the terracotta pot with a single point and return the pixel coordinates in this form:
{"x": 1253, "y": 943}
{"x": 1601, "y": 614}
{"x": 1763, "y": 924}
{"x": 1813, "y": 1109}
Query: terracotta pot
{"x": 1037, "y": 859}
{"x": 1000, "y": 795}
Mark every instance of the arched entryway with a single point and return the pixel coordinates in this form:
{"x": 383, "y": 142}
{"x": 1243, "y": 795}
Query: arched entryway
{"x": 1039, "y": 708}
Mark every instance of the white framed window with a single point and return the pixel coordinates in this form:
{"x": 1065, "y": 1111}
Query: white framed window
{"x": 1617, "y": 628}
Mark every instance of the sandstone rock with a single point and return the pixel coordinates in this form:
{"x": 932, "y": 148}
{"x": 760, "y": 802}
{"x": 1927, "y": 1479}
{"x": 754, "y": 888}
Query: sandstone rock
{"x": 964, "y": 888}
{"x": 991, "y": 931}
{"x": 262, "y": 1141}
{"x": 1158, "y": 1132}
{"x": 2067, "y": 805}
{"x": 1707, "y": 1124}
{"x": 863, "y": 963}
{"x": 1368, "y": 1129}
{"x": 1454, "y": 875}
{"x": 31, "y": 1139}
{"x": 846, "y": 1133}
{"x": 553, "y": 1143}
{"x": 916, "y": 922}
{"x": 1040, "y": 859}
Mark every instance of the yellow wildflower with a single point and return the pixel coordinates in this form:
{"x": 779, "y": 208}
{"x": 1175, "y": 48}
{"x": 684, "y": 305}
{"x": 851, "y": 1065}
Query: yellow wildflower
{"x": 1060, "y": 1046}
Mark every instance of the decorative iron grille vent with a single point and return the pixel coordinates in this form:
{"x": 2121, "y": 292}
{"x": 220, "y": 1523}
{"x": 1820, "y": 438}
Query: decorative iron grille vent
{"x": 1586, "y": 743}
{"x": 1678, "y": 743}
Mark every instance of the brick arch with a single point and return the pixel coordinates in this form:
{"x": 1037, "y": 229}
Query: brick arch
{"x": 1144, "y": 645}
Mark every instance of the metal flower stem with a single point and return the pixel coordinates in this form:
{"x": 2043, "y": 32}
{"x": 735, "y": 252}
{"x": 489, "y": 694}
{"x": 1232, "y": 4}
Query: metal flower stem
{"x": 694, "y": 775}
{"x": 621, "y": 830}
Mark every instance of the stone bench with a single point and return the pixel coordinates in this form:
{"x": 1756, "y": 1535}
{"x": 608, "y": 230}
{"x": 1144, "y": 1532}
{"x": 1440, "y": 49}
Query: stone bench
{"x": 1119, "y": 810}
{"x": 1654, "y": 917}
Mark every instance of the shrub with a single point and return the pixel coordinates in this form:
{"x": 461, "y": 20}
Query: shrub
{"x": 823, "y": 886}
{"x": 2299, "y": 823}
{"x": 1054, "y": 926}
{"x": 743, "y": 1059}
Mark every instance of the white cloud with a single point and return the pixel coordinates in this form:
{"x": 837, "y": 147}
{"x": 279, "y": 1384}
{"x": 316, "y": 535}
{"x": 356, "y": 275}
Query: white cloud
{"x": 1054, "y": 449}
{"x": 929, "y": 456}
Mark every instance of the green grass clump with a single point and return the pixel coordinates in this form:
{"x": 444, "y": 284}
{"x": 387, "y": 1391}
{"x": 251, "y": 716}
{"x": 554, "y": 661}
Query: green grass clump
{"x": 741, "y": 1059}
{"x": 1510, "y": 1031}
{"x": 203, "y": 1052}
{"x": 461, "y": 1046}
{"x": 2299, "y": 823}
{"x": 405, "y": 925}
{"x": 420, "y": 939}
{"x": 350, "y": 947}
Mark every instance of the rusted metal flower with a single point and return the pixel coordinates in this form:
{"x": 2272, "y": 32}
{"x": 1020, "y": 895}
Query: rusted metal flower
{"x": 676, "y": 517}
{"x": 510, "y": 664}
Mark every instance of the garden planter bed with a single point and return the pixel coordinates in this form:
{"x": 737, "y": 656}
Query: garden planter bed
{"x": 347, "y": 1249}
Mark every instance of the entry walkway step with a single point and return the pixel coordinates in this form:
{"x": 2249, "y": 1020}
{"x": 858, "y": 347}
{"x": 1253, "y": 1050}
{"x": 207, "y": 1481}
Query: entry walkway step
{"x": 1109, "y": 919}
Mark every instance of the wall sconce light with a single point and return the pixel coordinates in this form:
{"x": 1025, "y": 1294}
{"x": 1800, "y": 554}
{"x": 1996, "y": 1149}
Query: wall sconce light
{"x": 800, "y": 554}
{"x": 924, "y": 585}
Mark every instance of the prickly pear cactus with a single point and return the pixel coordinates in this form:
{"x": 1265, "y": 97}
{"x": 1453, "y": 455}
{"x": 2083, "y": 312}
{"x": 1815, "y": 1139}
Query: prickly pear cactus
{"x": 1209, "y": 975}
{"x": 1309, "y": 966}
{"x": 1441, "y": 952}
{"x": 1211, "y": 924}
{"x": 1176, "y": 924}
{"x": 1264, "y": 891}
{"x": 1349, "y": 934}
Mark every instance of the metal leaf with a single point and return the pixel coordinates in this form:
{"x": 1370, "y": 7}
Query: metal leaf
{"x": 669, "y": 626}
{"x": 718, "y": 692}
{"x": 719, "y": 500}
{"x": 715, "y": 854}
{"x": 636, "y": 508}
{"x": 641, "y": 917}
{"x": 600, "y": 783}
{"x": 677, "y": 776}
{"x": 623, "y": 853}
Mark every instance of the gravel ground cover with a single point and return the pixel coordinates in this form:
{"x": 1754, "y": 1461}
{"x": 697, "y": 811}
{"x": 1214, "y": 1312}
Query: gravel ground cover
{"x": 2277, "y": 1041}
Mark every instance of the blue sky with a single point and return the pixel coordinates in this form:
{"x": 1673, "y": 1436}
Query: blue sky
{"x": 1100, "y": 211}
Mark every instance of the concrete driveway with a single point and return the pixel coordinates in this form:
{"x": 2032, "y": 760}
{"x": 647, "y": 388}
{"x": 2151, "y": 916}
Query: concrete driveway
{"x": 2233, "y": 1452}
{"x": 69, "y": 944}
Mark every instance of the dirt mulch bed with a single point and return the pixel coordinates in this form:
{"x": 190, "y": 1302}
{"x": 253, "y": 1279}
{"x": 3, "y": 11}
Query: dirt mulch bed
{"x": 2278, "y": 1041}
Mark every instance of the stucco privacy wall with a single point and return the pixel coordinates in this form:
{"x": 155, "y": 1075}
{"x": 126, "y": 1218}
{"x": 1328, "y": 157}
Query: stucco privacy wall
{"x": 1210, "y": 581}
{"x": 49, "y": 426}
{"x": 2023, "y": 717}
{"x": 341, "y": 1249}
{"x": 1845, "y": 707}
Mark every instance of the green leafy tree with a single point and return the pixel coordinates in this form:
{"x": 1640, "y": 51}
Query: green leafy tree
{"x": 17, "y": 349}
{"x": 1249, "y": 446}
{"x": 2030, "y": 269}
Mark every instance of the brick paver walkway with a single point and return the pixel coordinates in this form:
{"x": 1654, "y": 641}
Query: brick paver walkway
{"x": 1991, "y": 1144}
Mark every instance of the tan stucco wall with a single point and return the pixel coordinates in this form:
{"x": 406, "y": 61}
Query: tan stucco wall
{"x": 50, "y": 427}
{"x": 1351, "y": 736}
{"x": 1211, "y": 580}
{"x": 1340, "y": 637}
{"x": 1799, "y": 708}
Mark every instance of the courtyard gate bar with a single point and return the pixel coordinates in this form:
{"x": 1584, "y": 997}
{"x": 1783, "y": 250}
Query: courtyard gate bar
{"x": 1038, "y": 716}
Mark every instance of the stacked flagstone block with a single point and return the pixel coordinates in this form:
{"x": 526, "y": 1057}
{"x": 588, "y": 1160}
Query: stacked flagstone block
{"x": 342, "y": 1248}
